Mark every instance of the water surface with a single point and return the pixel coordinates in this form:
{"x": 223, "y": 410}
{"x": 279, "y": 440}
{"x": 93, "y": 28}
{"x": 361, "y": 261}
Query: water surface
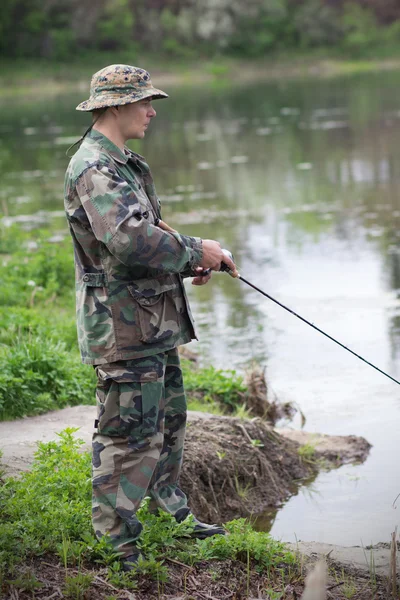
{"x": 301, "y": 181}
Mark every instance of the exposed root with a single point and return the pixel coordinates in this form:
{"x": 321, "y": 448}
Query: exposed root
{"x": 258, "y": 398}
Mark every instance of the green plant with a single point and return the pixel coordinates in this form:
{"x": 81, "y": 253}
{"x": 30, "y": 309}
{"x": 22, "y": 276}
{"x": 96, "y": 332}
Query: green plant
{"x": 307, "y": 453}
{"x": 77, "y": 585}
{"x": 71, "y": 552}
{"x": 117, "y": 577}
{"x": 49, "y": 504}
{"x": 360, "y": 27}
{"x": 257, "y": 443}
{"x": 226, "y": 388}
{"x": 243, "y": 542}
{"x": 26, "y": 582}
{"x": 37, "y": 375}
{"x": 48, "y": 510}
{"x": 242, "y": 490}
{"x": 273, "y": 594}
{"x": 242, "y": 412}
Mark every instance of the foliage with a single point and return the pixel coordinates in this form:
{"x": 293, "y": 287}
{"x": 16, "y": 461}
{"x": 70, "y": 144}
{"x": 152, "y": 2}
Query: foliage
{"x": 317, "y": 24}
{"x": 60, "y": 30}
{"x": 48, "y": 503}
{"x": 214, "y": 386}
{"x": 268, "y": 28}
{"x": 115, "y": 28}
{"x": 49, "y": 509}
{"x": 40, "y": 368}
{"x": 37, "y": 375}
{"x": 43, "y": 274}
{"x": 361, "y": 31}
{"x": 307, "y": 453}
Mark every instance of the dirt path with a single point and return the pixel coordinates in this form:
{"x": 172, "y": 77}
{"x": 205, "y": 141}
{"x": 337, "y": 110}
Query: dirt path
{"x": 18, "y": 439}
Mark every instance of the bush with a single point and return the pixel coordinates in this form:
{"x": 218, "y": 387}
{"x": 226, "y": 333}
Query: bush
{"x": 226, "y": 388}
{"x": 269, "y": 28}
{"x": 317, "y": 24}
{"x": 38, "y": 375}
{"x": 21, "y": 323}
{"x": 361, "y": 31}
{"x": 46, "y": 273}
{"x": 48, "y": 504}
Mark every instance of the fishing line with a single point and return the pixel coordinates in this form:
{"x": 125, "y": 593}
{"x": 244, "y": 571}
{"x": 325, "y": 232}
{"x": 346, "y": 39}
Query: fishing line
{"x": 225, "y": 268}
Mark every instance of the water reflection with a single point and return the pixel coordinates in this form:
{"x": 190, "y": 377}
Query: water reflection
{"x": 300, "y": 181}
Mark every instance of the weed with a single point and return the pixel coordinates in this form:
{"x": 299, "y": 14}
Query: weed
{"x": 58, "y": 491}
{"x": 152, "y": 568}
{"x": 347, "y": 587}
{"x": 76, "y": 586}
{"x": 225, "y": 388}
{"x": 257, "y": 443}
{"x": 273, "y": 594}
{"x": 242, "y": 412}
{"x": 37, "y": 375}
{"x": 242, "y": 490}
{"x": 221, "y": 454}
{"x": 26, "y": 582}
{"x": 71, "y": 552}
{"x": 118, "y": 577}
{"x": 307, "y": 453}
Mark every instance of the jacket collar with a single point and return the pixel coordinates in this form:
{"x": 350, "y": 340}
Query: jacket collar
{"x": 116, "y": 153}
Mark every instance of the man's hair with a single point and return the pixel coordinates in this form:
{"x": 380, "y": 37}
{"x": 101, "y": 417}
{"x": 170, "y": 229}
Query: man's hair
{"x": 98, "y": 112}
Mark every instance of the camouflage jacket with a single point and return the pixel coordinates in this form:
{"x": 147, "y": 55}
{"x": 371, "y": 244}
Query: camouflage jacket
{"x": 131, "y": 301}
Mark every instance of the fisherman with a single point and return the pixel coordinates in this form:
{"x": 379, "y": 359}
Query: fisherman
{"x": 132, "y": 311}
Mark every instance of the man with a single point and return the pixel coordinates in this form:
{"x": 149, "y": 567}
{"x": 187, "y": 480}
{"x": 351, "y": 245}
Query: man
{"x": 132, "y": 310}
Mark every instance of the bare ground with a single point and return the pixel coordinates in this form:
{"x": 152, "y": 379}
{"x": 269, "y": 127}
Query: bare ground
{"x": 212, "y": 580}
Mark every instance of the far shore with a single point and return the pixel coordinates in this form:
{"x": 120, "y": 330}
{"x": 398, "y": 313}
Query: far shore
{"x": 42, "y": 78}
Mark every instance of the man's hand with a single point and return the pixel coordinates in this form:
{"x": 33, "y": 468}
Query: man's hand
{"x": 201, "y": 279}
{"x": 213, "y": 257}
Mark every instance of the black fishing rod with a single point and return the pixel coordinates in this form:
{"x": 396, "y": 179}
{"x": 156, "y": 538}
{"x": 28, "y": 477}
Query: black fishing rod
{"x": 226, "y": 269}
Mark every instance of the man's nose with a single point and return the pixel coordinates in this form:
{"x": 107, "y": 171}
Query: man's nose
{"x": 152, "y": 113}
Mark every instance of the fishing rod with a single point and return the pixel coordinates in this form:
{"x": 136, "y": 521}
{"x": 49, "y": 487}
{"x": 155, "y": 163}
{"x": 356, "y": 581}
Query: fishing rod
{"x": 226, "y": 269}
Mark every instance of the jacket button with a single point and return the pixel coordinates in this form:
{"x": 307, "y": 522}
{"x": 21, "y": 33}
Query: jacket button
{"x": 86, "y": 278}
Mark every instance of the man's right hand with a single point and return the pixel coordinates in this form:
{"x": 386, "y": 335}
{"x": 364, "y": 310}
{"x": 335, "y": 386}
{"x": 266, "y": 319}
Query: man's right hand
{"x": 213, "y": 257}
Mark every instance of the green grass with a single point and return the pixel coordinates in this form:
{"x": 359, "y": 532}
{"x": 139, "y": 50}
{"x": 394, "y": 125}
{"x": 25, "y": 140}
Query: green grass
{"x": 40, "y": 366}
{"x": 307, "y": 453}
{"x": 48, "y": 510}
{"x": 210, "y": 388}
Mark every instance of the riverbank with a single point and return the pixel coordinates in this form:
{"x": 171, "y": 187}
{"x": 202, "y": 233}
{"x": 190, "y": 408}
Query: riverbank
{"x": 22, "y": 77}
{"x": 271, "y": 461}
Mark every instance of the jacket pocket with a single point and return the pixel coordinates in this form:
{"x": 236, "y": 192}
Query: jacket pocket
{"x": 156, "y": 308}
{"x": 128, "y": 404}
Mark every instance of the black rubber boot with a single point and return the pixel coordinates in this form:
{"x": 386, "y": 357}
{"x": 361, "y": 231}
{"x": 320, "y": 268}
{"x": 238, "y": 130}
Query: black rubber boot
{"x": 129, "y": 563}
{"x": 201, "y": 530}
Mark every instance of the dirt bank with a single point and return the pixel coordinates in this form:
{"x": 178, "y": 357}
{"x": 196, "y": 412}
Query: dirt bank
{"x": 241, "y": 467}
{"x": 233, "y": 467}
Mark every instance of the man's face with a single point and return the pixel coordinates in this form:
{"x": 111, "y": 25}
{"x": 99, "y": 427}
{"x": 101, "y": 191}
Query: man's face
{"x": 135, "y": 118}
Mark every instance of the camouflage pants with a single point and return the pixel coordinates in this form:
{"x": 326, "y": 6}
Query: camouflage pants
{"x": 139, "y": 445}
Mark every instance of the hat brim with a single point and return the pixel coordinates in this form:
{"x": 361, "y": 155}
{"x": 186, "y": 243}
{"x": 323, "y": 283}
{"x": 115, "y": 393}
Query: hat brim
{"x": 108, "y": 99}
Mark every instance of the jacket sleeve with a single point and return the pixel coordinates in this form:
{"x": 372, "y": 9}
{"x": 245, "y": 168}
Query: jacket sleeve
{"x": 115, "y": 216}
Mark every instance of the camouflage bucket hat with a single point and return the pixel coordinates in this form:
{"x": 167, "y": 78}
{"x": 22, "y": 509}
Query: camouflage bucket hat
{"x": 119, "y": 84}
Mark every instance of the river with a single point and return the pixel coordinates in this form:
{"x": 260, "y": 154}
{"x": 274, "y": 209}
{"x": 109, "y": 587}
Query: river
{"x": 299, "y": 179}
